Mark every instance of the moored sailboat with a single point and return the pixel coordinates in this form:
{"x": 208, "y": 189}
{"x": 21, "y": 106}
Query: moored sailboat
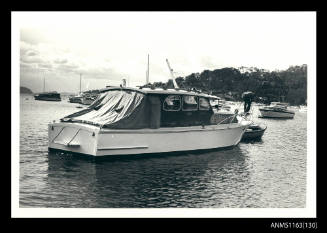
{"x": 47, "y": 96}
{"x": 77, "y": 98}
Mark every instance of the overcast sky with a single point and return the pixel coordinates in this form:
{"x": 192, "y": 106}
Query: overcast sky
{"x": 106, "y": 47}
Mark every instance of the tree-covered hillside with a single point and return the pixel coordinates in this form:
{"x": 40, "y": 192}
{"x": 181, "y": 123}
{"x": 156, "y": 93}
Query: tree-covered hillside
{"x": 287, "y": 85}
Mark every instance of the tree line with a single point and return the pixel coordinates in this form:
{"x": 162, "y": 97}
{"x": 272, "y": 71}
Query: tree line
{"x": 281, "y": 85}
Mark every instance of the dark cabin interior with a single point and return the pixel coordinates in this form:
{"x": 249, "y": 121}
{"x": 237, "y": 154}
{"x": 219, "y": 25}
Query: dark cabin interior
{"x": 180, "y": 113}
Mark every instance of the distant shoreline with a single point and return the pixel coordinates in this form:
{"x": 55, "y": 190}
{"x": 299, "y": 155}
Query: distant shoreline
{"x": 25, "y": 90}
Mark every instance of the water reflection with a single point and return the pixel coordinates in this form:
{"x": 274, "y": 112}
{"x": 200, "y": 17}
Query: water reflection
{"x": 184, "y": 180}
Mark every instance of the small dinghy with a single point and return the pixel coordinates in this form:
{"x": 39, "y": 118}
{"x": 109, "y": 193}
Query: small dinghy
{"x": 254, "y": 132}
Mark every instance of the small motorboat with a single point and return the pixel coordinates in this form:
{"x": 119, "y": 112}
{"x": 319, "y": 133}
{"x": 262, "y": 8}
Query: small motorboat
{"x": 276, "y": 110}
{"x": 254, "y": 132}
{"x": 76, "y": 99}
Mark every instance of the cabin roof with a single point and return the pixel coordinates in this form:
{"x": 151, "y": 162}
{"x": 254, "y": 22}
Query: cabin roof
{"x": 160, "y": 91}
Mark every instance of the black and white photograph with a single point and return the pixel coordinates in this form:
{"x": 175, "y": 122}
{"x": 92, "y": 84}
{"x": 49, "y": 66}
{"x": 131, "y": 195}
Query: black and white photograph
{"x": 163, "y": 114}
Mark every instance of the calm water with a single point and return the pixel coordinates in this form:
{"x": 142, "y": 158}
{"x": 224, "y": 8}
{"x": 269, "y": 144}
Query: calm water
{"x": 267, "y": 174}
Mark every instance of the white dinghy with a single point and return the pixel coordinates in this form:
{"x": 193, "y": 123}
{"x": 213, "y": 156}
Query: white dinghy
{"x": 125, "y": 121}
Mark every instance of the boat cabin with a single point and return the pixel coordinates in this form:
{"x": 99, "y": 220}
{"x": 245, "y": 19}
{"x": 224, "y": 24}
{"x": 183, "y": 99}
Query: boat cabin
{"x": 132, "y": 108}
{"x": 279, "y": 105}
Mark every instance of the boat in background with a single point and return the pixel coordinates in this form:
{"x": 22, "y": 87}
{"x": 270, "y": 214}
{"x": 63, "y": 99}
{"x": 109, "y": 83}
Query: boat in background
{"x": 221, "y": 105}
{"x": 88, "y": 99}
{"x": 276, "y": 110}
{"x": 75, "y": 99}
{"x": 303, "y": 108}
{"x": 48, "y": 96}
{"x": 225, "y": 107}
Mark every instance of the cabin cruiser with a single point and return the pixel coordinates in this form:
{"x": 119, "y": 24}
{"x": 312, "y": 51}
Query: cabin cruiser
{"x": 277, "y": 110}
{"x": 125, "y": 121}
{"x": 48, "y": 96}
{"x": 76, "y": 99}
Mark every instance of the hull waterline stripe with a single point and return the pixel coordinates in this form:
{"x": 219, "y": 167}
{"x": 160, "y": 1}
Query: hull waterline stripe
{"x": 282, "y": 117}
{"x": 110, "y": 131}
{"x": 122, "y": 148}
{"x": 67, "y": 144}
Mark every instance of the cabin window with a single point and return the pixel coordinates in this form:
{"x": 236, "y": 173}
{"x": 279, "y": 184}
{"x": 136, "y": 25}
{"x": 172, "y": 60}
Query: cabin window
{"x": 190, "y": 103}
{"x": 203, "y": 104}
{"x": 172, "y": 103}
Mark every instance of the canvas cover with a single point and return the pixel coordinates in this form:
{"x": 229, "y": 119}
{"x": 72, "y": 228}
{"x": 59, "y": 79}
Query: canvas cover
{"x": 118, "y": 109}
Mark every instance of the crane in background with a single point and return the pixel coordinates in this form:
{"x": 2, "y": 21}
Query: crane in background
{"x": 172, "y": 74}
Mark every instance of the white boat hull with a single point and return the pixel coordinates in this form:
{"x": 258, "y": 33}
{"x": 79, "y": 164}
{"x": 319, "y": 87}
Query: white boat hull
{"x": 276, "y": 114}
{"x": 91, "y": 140}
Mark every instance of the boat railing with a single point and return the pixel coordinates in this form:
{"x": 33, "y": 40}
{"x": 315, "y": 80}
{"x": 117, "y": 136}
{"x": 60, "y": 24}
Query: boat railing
{"x": 243, "y": 117}
{"x": 225, "y": 119}
{"x": 231, "y": 118}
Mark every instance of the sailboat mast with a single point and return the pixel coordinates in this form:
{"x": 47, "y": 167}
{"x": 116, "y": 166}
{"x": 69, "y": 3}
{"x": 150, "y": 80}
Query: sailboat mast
{"x": 80, "y": 82}
{"x": 147, "y": 72}
{"x": 44, "y": 82}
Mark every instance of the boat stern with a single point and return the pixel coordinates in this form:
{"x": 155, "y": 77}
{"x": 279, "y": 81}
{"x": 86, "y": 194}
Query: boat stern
{"x": 73, "y": 137}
